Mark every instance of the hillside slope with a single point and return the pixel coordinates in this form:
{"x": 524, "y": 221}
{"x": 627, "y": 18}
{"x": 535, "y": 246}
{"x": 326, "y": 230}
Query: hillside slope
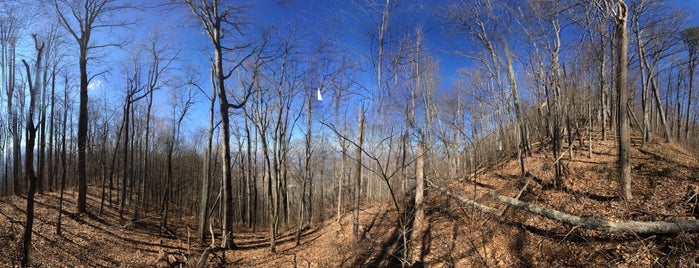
{"x": 665, "y": 176}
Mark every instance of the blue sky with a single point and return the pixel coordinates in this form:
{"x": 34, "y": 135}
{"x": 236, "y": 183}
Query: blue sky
{"x": 312, "y": 16}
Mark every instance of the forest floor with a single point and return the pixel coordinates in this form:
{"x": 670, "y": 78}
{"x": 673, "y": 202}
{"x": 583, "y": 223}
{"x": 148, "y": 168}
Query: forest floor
{"x": 456, "y": 235}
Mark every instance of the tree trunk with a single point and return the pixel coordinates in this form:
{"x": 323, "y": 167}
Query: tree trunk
{"x": 555, "y": 117}
{"x": 113, "y": 164}
{"x": 307, "y": 179}
{"x": 125, "y": 171}
{"x": 589, "y": 130}
{"x": 141, "y": 187}
{"x": 419, "y": 221}
{"x": 251, "y": 199}
{"x": 689, "y": 96}
{"x": 10, "y": 57}
{"x": 603, "y": 89}
{"x": 29, "y": 154}
{"x": 82, "y": 131}
{"x": 341, "y": 179}
{"x": 270, "y": 190}
{"x": 622, "y": 102}
{"x": 358, "y": 175}
{"x": 522, "y": 147}
{"x": 659, "y": 105}
{"x": 165, "y": 209}
{"x": 679, "y": 107}
{"x": 206, "y": 176}
{"x": 64, "y": 165}
{"x": 51, "y": 165}
{"x": 42, "y": 142}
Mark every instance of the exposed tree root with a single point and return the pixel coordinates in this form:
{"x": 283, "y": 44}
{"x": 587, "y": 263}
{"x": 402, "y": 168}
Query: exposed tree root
{"x": 638, "y": 227}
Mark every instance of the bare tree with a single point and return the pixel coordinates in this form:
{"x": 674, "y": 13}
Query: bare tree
{"x": 622, "y": 95}
{"x": 34, "y": 89}
{"x": 81, "y": 18}
{"x": 690, "y": 36}
{"x": 135, "y": 91}
{"x": 63, "y": 150}
{"x": 358, "y": 174}
{"x": 654, "y": 30}
{"x": 207, "y": 166}
{"x": 489, "y": 25}
{"x": 10, "y": 26}
{"x": 619, "y": 11}
{"x": 215, "y": 17}
{"x": 544, "y": 28}
{"x": 598, "y": 37}
{"x": 160, "y": 56}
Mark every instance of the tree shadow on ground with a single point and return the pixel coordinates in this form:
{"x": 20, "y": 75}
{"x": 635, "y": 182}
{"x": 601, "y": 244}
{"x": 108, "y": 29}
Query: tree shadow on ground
{"x": 390, "y": 251}
{"x": 549, "y": 185}
{"x": 287, "y": 237}
{"x": 656, "y": 157}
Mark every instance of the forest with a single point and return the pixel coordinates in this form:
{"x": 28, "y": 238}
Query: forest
{"x": 363, "y": 133}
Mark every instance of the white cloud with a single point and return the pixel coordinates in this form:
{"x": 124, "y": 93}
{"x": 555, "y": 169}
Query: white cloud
{"x": 95, "y": 84}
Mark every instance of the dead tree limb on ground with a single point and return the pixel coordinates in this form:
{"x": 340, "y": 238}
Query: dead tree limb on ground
{"x": 638, "y": 227}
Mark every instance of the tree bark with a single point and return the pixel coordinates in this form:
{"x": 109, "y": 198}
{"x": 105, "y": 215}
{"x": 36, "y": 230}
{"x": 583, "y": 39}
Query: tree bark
{"x": 307, "y": 164}
{"x": 341, "y": 179}
{"x": 206, "y": 176}
{"x": 419, "y": 220}
{"x": 661, "y": 111}
{"x": 645, "y": 104}
{"x": 622, "y": 101}
{"x": 64, "y": 164}
{"x": 689, "y": 99}
{"x": 29, "y": 154}
{"x": 125, "y": 171}
{"x": 52, "y": 130}
{"x": 82, "y": 126}
{"x": 522, "y": 147}
{"x": 358, "y": 175}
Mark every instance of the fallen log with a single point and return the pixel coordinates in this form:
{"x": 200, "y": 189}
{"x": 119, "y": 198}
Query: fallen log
{"x": 591, "y": 223}
{"x": 463, "y": 200}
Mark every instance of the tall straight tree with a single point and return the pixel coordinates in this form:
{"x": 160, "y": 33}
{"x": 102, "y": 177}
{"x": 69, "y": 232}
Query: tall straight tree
{"x": 206, "y": 166}
{"x": 358, "y": 174}
{"x": 215, "y": 17}
{"x": 64, "y": 165}
{"x": 52, "y": 59}
{"x": 10, "y": 25}
{"x": 620, "y": 11}
{"x": 80, "y": 18}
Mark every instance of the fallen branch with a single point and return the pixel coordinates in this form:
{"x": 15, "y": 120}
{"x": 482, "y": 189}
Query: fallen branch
{"x": 463, "y": 200}
{"x": 638, "y": 227}
{"x": 204, "y": 259}
{"x": 591, "y": 223}
{"x": 521, "y": 191}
